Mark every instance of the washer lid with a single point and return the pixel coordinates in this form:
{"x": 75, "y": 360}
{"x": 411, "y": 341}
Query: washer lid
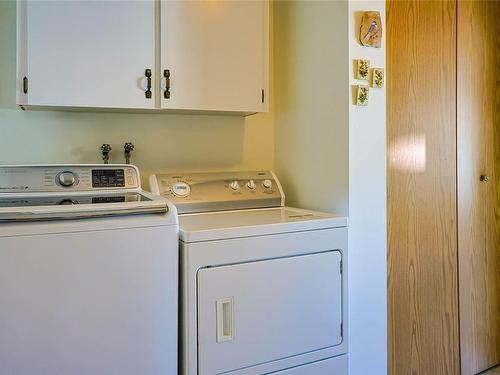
{"x": 257, "y": 222}
{"x": 73, "y": 191}
{"x": 33, "y": 207}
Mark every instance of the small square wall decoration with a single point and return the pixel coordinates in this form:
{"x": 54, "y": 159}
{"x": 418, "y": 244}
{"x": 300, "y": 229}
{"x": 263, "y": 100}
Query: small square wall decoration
{"x": 370, "y": 34}
{"x": 362, "y": 69}
{"x": 377, "y": 78}
{"x": 362, "y": 92}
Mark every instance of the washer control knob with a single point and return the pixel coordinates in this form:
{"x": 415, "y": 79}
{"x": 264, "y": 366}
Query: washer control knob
{"x": 251, "y": 185}
{"x": 66, "y": 178}
{"x": 181, "y": 189}
{"x": 268, "y": 184}
{"x": 234, "y": 185}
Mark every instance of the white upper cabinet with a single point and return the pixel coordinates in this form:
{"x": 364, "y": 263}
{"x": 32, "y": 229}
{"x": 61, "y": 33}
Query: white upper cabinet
{"x": 216, "y": 53}
{"x": 86, "y": 53}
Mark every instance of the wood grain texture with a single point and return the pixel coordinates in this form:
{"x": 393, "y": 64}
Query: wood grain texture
{"x": 422, "y": 221}
{"x": 478, "y": 120}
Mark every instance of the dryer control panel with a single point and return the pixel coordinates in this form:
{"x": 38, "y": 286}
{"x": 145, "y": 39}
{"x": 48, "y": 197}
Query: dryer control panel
{"x": 219, "y": 191}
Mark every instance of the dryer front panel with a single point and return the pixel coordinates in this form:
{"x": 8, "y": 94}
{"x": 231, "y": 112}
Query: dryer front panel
{"x": 258, "y": 312}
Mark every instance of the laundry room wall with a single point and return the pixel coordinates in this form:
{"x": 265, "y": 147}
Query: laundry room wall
{"x": 163, "y": 141}
{"x": 311, "y": 104}
{"x": 331, "y": 155}
{"x": 367, "y": 209}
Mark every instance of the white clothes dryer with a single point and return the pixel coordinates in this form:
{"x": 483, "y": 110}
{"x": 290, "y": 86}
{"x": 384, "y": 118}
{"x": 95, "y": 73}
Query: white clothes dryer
{"x": 263, "y": 286}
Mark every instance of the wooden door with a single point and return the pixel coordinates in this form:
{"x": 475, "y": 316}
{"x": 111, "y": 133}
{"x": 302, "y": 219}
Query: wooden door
{"x": 422, "y": 221}
{"x": 86, "y": 53}
{"x": 478, "y": 80}
{"x": 216, "y": 53}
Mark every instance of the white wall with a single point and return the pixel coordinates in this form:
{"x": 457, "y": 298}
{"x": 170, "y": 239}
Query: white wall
{"x": 367, "y": 212}
{"x": 163, "y": 141}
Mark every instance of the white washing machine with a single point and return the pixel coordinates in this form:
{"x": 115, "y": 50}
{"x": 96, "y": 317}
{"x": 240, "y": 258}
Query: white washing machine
{"x": 88, "y": 273}
{"x": 263, "y": 286}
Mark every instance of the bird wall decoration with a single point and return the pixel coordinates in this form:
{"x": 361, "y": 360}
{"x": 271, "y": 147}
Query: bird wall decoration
{"x": 370, "y": 33}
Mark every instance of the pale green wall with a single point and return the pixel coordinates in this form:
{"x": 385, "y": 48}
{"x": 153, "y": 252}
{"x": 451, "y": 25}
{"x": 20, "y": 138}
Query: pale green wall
{"x": 163, "y": 141}
{"x": 311, "y": 105}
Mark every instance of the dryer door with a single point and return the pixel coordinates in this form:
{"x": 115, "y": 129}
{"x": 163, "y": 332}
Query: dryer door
{"x": 262, "y": 311}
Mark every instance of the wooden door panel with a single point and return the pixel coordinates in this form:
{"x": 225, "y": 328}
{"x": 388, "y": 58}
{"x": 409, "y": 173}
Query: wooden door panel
{"x": 478, "y": 79}
{"x": 422, "y": 221}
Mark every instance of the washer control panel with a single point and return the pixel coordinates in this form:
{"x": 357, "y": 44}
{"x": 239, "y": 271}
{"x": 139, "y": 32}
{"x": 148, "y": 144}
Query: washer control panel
{"x": 57, "y": 178}
{"x": 217, "y": 191}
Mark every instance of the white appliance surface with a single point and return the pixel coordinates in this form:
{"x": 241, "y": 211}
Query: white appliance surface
{"x": 47, "y": 192}
{"x": 276, "y": 314}
{"x": 243, "y": 223}
{"x": 87, "y": 296}
{"x": 263, "y": 286}
{"x": 282, "y": 291}
{"x": 329, "y": 366}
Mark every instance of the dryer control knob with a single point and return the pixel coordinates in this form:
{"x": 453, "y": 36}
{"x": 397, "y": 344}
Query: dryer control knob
{"x": 234, "y": 185}
{"x": 66, "y": 179}
{"x": 251, "y": 185}
{"x": 181, "y": 189}
{"x": 268, "y": 184}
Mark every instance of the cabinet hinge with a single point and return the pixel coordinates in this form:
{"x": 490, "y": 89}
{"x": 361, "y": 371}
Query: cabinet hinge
{"x": 262, "y": 95}
{"x": 25, "y": 84}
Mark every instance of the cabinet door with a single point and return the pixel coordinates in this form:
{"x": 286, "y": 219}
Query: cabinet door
{"x": 258, "y": 312}
{"x": 86, "y": 53}
{"x": 216, "y": 53}
{"x": 478, "y": 99}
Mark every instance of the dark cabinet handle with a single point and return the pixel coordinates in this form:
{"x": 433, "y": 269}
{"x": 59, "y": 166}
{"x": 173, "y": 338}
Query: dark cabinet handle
{"x": 25, "y": 85}
{"x": 148, "y": 83}
{"x": 166, "y": 76}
